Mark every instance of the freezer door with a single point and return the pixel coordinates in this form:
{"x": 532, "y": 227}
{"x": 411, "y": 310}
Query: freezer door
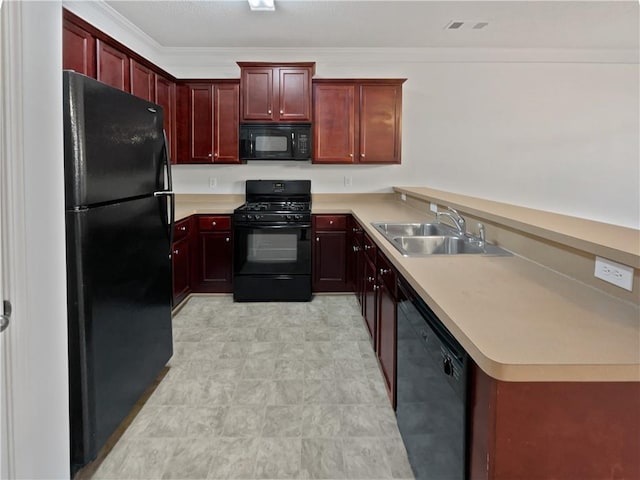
{"x": 119, "y": 302}
{"x": 113, "y": 143}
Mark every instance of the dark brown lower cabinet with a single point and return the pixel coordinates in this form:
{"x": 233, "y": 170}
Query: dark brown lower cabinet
{"x": 182, "y": 259}
{"x": 329, "y": 272}
{"x": 554, "y": 430}
{"x": 369, "y": 299}
{"x": 215, "y": 254}
{"x": 387, "y": 324}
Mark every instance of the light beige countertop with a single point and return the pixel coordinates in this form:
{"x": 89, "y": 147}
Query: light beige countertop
{"x": 519, "y": 321}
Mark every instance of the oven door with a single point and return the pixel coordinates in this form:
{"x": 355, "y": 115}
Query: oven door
{"x": 274, "y": 249}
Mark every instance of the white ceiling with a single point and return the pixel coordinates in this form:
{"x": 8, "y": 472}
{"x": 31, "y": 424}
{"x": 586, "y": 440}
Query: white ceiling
{"x": 396, "y": 23}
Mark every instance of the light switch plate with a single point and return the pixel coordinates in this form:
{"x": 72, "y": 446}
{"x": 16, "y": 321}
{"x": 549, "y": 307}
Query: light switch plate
{"x": 614, "y": 272}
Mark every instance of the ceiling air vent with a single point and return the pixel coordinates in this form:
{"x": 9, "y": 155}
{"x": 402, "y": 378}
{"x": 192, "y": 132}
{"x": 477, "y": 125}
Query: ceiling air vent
{"x": 466, "y": 25}
{"x": 454, "y": 25}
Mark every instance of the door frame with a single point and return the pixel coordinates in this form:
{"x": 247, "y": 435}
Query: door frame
{"x": 34, "y": 347}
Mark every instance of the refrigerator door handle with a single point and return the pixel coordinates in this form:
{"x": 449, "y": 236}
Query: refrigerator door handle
{"x": 167, "y": 161}
{"x": 168, "y": 192}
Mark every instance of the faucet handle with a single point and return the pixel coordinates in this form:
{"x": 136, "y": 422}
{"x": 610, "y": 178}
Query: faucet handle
{"x": 481, "y": 232}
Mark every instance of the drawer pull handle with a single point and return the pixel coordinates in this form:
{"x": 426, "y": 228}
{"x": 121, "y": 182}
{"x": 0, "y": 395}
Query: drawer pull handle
{"x": 384, "y": 271}
{"x": 183, "y": 229}
{"x": 213, "y": 223}
{"x": 330, "y": 222}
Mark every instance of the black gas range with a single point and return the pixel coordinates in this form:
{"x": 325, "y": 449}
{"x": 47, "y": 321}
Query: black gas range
{"x": 272, "y": 242}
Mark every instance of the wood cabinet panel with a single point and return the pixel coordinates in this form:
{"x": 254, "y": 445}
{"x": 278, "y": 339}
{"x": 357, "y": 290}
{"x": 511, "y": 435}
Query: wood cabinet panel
{"x": 275, "y": 92}
{"x": 380, "y": 117}
{"x": 226, "y": 122}
{"x": 369, "y": 300}
{"x": 112, "y": 66}
{"x": 78, "y": 49}
{"x": 165, "y": 96}
{"x": 294, "y": 97}
{"x": 181, "y": 264}
{"x": 357, "y": 121}
{"x": 554, "y": 430}
{"x": 201, "y": 123}
{"x": 330, "y": 273}
{"x": 334, "y": 123}
{"x": 387, "y": 328}
{"x": 257, "y": 94}
{"x": 216, "y": 262}
{"x": 142, "y": 81}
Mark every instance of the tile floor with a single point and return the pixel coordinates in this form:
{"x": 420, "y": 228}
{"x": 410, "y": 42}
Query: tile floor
{"x": 265, "y": 391}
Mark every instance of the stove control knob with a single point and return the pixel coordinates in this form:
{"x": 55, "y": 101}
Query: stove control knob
{"x": 289, "y": 217}
{"x": 257, "y": 217}
{"x": 298, "y": 217}
{"x": 249, "y": 217}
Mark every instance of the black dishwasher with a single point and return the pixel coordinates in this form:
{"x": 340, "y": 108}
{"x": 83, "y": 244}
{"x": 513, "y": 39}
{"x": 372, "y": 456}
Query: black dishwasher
{"x": 431, "y": 391}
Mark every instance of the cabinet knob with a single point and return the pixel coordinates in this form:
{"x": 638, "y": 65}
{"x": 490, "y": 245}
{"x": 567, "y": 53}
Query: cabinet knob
{"x": 351, "y": 155}
{"x": 375, "y": 287}
{"x": 362, "y": 155}
{"x": 370, "y": 279}
{"x": 176, "y": 251}
{"x": 317, "y": 239}
{"x": 215, "y": 154}
{"x": 209, "y": 155}
{"x": 356, "y": 248}
{"x": 384, "y": 271}
{"x": 226, "y": 239}
{"x": 269, "y": 112}
{"x": 213, "y": 223}
{"x": 367, "y": 247}
{"x": 330, "y": 222}
{"x": 183, "y": 229}
{"x": 281, "y": 112}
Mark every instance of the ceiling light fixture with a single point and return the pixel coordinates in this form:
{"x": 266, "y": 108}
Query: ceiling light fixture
{"x": 262, "y": 5}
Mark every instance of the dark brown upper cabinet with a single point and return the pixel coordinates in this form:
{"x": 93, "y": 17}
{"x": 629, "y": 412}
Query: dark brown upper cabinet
{"x": 142, "y": 81}
{"x": 112, "y": 66}
{"x": 275, "y": 92}
{"x": 78, "y": 49}
{"x": 165, "y": 96}
{"x": 357, "y": 121}
{"x": 208, "y": 122}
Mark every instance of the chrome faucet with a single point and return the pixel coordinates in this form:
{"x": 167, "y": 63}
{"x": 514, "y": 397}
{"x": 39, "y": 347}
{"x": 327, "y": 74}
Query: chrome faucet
{"x": 455, "y": 217}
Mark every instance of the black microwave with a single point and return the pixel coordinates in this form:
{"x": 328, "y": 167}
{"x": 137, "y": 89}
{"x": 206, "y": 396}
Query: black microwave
{"x": 275, "y": 141}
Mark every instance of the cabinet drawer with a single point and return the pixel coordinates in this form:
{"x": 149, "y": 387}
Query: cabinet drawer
{"x": 181, "y": 229}
{"x": 331, "y": 222}
{"x": 387, "y": 273}
{"x": 207, "y": 223}
{"x": 370, "y": 248}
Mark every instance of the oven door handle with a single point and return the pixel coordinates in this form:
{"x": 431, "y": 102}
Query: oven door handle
{"x": 273, "y": 226}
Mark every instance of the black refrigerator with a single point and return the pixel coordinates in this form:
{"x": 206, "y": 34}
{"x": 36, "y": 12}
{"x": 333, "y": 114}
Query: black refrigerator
{"x": 119, "y": 221}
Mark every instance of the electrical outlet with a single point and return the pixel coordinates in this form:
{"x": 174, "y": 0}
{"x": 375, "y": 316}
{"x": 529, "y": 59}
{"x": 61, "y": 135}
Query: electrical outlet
{"x": 433, "y": 207}
{"x": 213, "y": 182}
{"x": 615, "y": 273}
{"x": 348, "y": 181}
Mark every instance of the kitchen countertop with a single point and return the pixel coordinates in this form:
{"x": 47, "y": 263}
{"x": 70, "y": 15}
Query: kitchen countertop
{"x": 519, "y": 321}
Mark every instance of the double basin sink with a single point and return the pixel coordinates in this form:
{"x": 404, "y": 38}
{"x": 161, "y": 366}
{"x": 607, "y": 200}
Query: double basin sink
{"x": 422, "y": 239}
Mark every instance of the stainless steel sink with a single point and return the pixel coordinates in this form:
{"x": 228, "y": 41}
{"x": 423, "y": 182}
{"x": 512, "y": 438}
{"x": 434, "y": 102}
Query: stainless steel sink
{"x": 391, "y": 230}
{"x": 424, "y": 239}
{"x": 435, "y": 245}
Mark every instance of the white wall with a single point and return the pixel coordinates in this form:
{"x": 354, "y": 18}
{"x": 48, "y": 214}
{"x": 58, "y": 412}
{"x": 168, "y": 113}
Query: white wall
{"x": 550, "y": 129}
{"x": 39, "y": 323}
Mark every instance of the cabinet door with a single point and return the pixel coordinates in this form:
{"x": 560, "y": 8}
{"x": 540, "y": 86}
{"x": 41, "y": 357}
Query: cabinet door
{"x": 165, "y": 96}
{"x": 181, "y": 263}
{"x": 215, "y": 255}
{"x": 226, "y": 123}
{"x": 142, "y": 81}
{"x": 257, "y": 94}
{"x": 380, "y": 123}
{"x": 113, "y": 66}
{"x": 201, "y": 123}
{"x": 334, "y": 123}
{"x": 387, "y": 338}
{"x": 369, "y": 300}
{"x": 330, "y": 262}
{"x": 294, "y": 95}
{"x": 78, "y": 50}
